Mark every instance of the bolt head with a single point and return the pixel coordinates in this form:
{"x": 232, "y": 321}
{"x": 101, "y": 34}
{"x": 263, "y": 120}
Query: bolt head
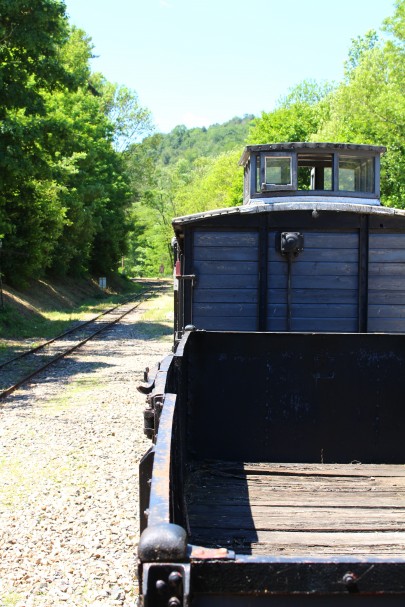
{"x": 175, "y": 578}
{"x": 349, "y": 579}
{"x": 160, "y": 585}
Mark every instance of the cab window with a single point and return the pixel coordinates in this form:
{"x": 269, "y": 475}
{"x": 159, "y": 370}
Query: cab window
{"x": 356, "y": 174}
{"x": 315, "y": 171}
{"x": 278, "y": 170}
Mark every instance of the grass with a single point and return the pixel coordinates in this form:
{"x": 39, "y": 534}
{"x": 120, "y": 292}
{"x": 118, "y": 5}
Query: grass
{"x": 34, "y": 328}
{"x": 157, "y": 321}
{"x": 11, "y": 599}
{"x": 73, "y": 393}
{"x": 20, "y": 478}
{"x": 19, "y": 332}
{"x": 48, "y": 324}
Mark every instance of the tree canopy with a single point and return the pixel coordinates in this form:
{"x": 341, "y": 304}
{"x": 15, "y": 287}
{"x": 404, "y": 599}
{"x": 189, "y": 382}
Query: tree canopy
{"x": 369, "y": 105}
{"x": 185, "y": 171}
{"x": 65, "y": 195}
{"x": 80, "y": 188}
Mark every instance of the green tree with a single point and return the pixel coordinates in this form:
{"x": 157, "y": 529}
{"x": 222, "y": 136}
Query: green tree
{"x": 359, "y": 47}
{"x": 185, "y": 171}
{"x": 214, "y": 183}
{"x": 130, "y": 121}
{"x": 65, "y": 197}
{"x": 207, "y": 184}
{"x": 96, "y": 191}
{"x": 369, "y": 106}
{"x": 31, "y": 214}
{"x": 31, "y": 32}
{"x": 296, "y": 116}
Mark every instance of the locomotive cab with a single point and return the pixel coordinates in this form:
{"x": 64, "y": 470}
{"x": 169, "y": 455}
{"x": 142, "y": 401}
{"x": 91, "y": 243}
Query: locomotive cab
{"x": 310, "y": 250}
{"x": 305, "y": 170}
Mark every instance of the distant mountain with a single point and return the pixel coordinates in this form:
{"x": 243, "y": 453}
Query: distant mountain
{"x": 193, "y": 143}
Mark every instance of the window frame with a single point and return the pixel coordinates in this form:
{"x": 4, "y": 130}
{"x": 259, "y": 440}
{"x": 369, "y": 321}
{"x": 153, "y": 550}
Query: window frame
{"x": 267, "y": 187}
{"x": 360, "y": 193}
{"x": 255, "y": 173}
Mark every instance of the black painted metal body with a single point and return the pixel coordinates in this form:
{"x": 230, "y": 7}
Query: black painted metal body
{"x": 348, "y": 277}
{"x": 289, "y": 351}
{"x": 274, "y": 397}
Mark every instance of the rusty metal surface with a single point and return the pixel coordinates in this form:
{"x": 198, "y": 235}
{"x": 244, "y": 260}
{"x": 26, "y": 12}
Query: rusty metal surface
{"x": 159, "y": 506}
{"x": 201, "y": 553}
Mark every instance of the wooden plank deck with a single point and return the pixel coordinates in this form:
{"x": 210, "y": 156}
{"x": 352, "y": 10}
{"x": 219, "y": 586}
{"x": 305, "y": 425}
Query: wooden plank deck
{"x": 298, "y": 509}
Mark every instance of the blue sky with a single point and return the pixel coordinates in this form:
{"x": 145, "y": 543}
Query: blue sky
{"x": 198, "y": 62}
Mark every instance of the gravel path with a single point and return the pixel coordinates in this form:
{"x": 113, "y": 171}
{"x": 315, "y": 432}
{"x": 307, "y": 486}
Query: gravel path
{"x": 70, "y": 447}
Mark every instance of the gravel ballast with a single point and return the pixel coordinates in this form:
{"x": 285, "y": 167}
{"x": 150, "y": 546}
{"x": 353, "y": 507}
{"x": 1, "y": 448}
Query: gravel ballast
{"x": 70, "y": 448}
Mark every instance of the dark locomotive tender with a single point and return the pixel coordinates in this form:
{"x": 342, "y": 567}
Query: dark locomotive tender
{"x": 277, "y": 471}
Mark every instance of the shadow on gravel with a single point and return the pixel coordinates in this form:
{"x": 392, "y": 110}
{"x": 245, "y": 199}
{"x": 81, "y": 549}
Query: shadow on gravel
{"x": 24, "y": 397}
{"x": 139, "y": 330}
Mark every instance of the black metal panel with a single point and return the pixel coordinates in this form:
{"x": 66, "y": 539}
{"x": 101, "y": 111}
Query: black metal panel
{"x": 363, "y": 275}
{"x": 316, "y": 323}
{"x": 283, "y": 220}
{"x": 240, "y": 296}
{"x": 225, "y": 281}
{"x": 228, "y": 253}
{"x": 221, "y": 267}
{"x": 329, "y": 272}
{"x": 387, "y": 222}
{"x": 332, "y": 282}
{"x": 222, "y": 238}
{"x": 296, "y": 397}
{"x": 187, "y": 285}
{"x": 321, "y": 311}
{"x": 226, "y": 322}
{"x": 322, "y": 296}
{"x": 305, "y": 578}
{"x": 296, "y": 600}
{"x": 306, "y": 220}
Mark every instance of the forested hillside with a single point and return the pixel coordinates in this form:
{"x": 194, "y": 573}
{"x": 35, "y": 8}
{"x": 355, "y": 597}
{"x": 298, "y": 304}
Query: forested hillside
{"x": 184, "y": 171}
{"x": 368, "y": 106}
{"x": 190, "y": 144}
{"x": 64, "y": 191}
{"x": 81, "y": 189}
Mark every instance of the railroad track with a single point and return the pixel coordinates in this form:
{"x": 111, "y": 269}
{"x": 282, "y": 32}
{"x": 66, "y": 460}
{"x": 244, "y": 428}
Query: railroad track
{"x": 22, "y": 368}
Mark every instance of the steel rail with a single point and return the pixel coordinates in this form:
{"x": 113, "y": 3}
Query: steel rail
{"x": 64, "y": 334}
{"x": 26, "y": 378}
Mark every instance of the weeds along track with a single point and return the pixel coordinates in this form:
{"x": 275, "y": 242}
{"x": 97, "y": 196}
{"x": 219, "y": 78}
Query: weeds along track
{"x": 20, "y": 369}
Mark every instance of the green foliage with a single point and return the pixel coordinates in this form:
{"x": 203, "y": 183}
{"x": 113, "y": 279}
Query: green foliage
{"x": 186, "y": 171}
{"x": 191, "y": 144}
{"x": 31, "y": 32}
{"x": 360, "y": 46}
{"x": 295, "y": 119}
{"x": 214, "y": 183}
{"x": 129, "y": 120}
{"x": 64, "y": 196}
{"x": 31, "y": 213}
{"x": 79, "y": 191}
{"x": 369, "y": 106}
{"x": 395, "y": 24}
